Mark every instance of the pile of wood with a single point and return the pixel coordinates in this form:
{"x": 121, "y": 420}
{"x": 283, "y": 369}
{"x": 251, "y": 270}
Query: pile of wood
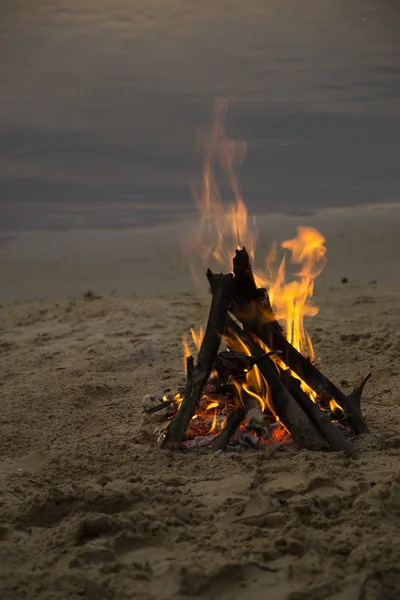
{"x": 242, "y": 314}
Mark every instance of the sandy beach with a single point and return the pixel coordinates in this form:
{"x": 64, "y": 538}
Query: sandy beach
{"x": 90, "y": 507}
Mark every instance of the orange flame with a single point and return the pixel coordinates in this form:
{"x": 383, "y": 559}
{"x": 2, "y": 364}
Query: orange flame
{"x": 197, "y": 337}
{"x": 290, "y": 301}
{"x": 224, "y": 225}
{"x": 255, "y": 384}
{"x": 186, "y": 352}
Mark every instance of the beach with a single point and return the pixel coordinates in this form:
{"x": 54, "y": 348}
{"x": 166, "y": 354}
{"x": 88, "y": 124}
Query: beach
{"x": 91, "y": 507}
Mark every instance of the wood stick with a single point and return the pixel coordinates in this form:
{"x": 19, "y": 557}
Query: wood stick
{"x": 303, "y": 431}
{"x": 254, "y": 321}
{"x": 233, "y": 421}
{"x": 268, "y": 330}
{"x": 244, "y": 276}
{"x": 198, "y": 375}
{"x": 256, "y": 420}
{"x": 320, "y": 418}
{"x": 246, "y": 287}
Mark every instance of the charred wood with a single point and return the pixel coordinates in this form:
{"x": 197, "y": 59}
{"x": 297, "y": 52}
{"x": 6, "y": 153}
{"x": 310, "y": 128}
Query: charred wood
{"x": 197, "y": 375}
{"x": 246, "y": 290}
{"x": 233, "y": 421}
{"x": 256, "y": 420}
{"x": 290, "y": 414}
{"x": 258, "y": 323}
{"x": 321, "y": 419}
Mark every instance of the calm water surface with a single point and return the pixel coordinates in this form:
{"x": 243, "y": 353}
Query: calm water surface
{"x": 100, "y": 101}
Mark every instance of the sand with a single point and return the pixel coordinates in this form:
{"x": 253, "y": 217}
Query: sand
{"x": 90, "y": 507}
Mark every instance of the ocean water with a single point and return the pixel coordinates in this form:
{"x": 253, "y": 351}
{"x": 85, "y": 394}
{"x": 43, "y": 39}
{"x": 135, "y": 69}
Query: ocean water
{"x": 100, "y": 101}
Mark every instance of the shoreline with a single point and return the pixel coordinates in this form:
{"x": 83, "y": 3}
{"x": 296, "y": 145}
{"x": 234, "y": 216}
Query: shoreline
{"x": 363, "y": 245}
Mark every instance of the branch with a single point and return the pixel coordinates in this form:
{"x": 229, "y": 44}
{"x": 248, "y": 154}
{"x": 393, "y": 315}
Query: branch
{"x": 198, "y": 375}
{"x": 285, "y": 407}
{"x": 321, "y": 419}
{"x": 254, "y": 321}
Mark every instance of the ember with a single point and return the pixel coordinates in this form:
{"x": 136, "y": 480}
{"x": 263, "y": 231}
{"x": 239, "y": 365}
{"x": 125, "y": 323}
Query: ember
{"x": 256, "y": 379}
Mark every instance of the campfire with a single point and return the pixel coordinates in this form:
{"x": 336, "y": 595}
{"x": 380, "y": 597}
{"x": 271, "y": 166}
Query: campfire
{"x": 256, "y": 380}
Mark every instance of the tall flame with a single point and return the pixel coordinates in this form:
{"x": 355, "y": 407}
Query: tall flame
{"x": 224, "y": 225}
{"x": 291, "y": 300}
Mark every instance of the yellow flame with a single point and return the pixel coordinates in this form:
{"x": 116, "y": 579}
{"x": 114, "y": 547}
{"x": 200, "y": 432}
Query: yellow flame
{"x": 186, "y": 352}
{"x": 223, "y": 225}
{"x": 291, "y": 300}
{"x": 178, "y": 398}
{"x": 255, "y": 384}
{"x": 290, "y": 268}
{"x": 197, "y": 337}
{"x": 214, "y": 424}
{"x": 213, "y": 405}
{"x": 334, "y": 406}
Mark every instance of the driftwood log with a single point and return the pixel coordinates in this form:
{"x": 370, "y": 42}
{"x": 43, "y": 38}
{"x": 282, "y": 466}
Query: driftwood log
{"x": 197, "y": 375}
{"x": 262, "y": 323}
{"x": 245, "y": 289}
{"x": 294, "y": 419}
{"x": 321, "y": 419}
{"x": 233, "y": 421}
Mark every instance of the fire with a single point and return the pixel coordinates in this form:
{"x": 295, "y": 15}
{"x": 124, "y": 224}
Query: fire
{"x": 291, "y": 300}
{"x": 186, "y": 351}
{"x": 223, "y": 225}
{"x": 197, "y": 337}
{"x": 255, "y": 384}
{"x": 290, "y": 268}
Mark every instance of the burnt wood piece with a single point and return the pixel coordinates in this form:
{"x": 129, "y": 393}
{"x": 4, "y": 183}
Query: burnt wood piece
{"x": 256, "y": 322}
{"x": 232, "y": 364}
{"x": 320, "y": 418}
{"x": 235, "y": 365}
{"x": 246, "y": 287}
{"x": 244, "y": 276}
{"x": 233, "y": 421}
{"x": 256, "y": 420}
{"x": 295, "y": 420}
{"x": 198, "y": 375}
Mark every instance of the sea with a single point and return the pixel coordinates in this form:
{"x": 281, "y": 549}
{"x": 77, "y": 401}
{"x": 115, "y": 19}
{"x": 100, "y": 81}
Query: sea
{"x": 102, "y": 101}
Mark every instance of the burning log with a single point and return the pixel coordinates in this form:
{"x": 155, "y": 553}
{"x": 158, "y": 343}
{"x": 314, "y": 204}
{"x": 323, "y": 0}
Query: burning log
{"x": 234, "y": 365}
{"x": 244, "y": 277}
{"x": 256, "y": 420}
{"x": 233, "y": 421}
{"x": 198, "y": 375}
{"x": 262, "y": 324}
{"x": 321, "y": 419}
{"x": 246, "y": 287}
{"x": 285, "y": 407}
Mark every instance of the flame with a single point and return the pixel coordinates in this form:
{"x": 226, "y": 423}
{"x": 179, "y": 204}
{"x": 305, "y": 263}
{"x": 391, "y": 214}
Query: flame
{"x": 255, "y": 384}
{"x": 197, "y": 337}
{"x": 291, "y": 301}
{"x": 223, "y": 225}
{"x": 290, "y": 268}
{"x": 213, "y": 405}
{"x": 186, "y": 352}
